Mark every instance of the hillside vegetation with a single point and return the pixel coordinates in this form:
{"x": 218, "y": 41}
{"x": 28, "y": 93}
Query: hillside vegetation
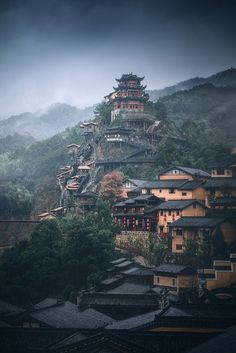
{"x": 205, "y": 115}
{"x": 220, "y": 79}
{"x": 44, "y": 124}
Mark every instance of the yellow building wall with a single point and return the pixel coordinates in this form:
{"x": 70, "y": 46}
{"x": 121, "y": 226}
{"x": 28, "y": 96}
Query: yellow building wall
{"x": 165, "y": 281}
{"x": 198, "y": 194}
{"x": 179, "y": 282}
{"x": 223, "y": 279}
{"x": 187, "y": 281}
{"x": 188, "y": 211}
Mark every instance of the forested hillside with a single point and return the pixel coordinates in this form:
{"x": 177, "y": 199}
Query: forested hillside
{"x": 220, "y": 79}
{"x": 205, "y": 116}
{"x": 44, "y": 124}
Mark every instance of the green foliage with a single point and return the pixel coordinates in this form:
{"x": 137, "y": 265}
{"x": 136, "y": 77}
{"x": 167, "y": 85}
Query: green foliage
{"x": 61, "y": 257}
{"x": 191, "y": 248}
{"x": 15, "y": 201}
{"x": 158, "y": 109}
{"x": 159, "y": 252}
{"x": 103, "y": 113}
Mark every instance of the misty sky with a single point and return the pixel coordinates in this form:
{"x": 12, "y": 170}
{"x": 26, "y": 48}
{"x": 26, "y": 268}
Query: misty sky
{"x": 71, "y": 51}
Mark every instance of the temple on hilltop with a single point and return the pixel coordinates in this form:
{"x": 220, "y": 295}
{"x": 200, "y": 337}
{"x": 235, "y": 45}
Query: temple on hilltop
{"x": 128, "y": 96}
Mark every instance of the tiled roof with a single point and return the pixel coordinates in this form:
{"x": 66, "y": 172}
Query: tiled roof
{"x": 177, "y": 204}
{"x": 197, "y": 222}
{"x": 190, "y": 171}
{"x": 134, "y": 322}
{"x": 130, "y": 288}
{"x": 115, "y": 299}
{"x": 191, "y": 185}
{"x": 173, "y": 269}
{"x": 139, "y": 272}
{"x": 163, "y": 184}
{"x": 111, "y": 280}
{"x": 67, "y": 315}
{"x": 124, "y": 264}
{"x": 9, "y": 309}
{"x": 137, "y": 182}
{"x": 221, "y": 183}
{"x": 118, "y": 261}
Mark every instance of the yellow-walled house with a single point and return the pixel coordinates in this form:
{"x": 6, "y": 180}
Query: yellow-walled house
{"x": 184, "y": 173}
{"x": 199, "y": 229}
{"x": 169, "y": 211}
{"x": 180, "y": 189}
{"x": 175, "y": 277}
{"x": 222, "y": 275}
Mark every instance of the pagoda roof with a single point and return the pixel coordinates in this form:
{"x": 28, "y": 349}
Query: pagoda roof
{"x": 129, "y": 76}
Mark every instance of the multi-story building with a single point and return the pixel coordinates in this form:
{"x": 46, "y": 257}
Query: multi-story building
{"x": 129, "y": 95}
{"x": 200, "y": 229}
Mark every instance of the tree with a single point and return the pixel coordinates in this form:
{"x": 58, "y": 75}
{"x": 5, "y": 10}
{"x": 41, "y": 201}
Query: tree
{"x": 159, "y": 253}
{"x": 103, "y": 113}
{"x": 191, "y": 248}
{"x": 111, "y": 186}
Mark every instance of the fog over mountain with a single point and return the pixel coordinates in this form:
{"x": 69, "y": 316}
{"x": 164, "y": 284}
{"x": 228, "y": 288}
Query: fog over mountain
{"x": 70, "y": 51}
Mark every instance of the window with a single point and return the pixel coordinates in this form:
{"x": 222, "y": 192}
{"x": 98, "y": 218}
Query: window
{"x": 177, "y": 213}
{"x": 169, "y": 212}
{"x": 158, "y": 280}
{"x": 194, "y": 205}
{"x": 179, "y": 246}
{"x": 184, "y": 193}
{"x": 172, "y": 191}
{"x": 160, "y": 190}
{"x": 179, "y": 232}
{"x": 161, "y": 213}
{"x": 173, "y": 282}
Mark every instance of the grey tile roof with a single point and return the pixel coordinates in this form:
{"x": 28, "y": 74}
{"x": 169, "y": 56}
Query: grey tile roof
{"x": 200, "y": 310}
{"x": 163, "y": 184}
{"x": 174, "y": 269}
{"x": 197, "y": 222}
{"x": 140, "y": 272}
{"x": 67, "y": 315}
{"x": 76, "y": 337}
{"x": 190, "y": 171}
{"x": 191, "y": 185}
{"x": 176, "y": 204}
{"x": 134, "y": 322}
{"x": 145, "y": 197}
{"x": 225, "y": 342}
{"x": 124, "y": 264}
{"x": 130, "y": 288}
{"x": 215, "y": 183}
{"x": 9, "y": 309}
{"x": 111, "y": 280}
{"x": 114, "y": 299}
{"x": 118, "y": 261}
{"x": 136, "y": 182}
{"x": 46, "y": 303}
{"x": 130, "y": 270}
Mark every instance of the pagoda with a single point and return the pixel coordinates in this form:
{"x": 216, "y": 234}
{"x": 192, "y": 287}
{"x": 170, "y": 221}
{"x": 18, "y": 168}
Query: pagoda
{"x": 128, "y": 96}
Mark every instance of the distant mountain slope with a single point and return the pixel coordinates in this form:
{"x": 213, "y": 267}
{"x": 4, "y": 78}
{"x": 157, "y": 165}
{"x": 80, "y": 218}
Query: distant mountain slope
{"x": 214, "y": 107}
{"x": 45, "y": 124}
{"x": 223, "y": 78}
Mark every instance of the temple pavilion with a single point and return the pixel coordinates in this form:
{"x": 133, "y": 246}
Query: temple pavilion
{"x": 128, "y": 96}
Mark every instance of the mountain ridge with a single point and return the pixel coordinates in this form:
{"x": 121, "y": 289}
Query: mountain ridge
{"x": 222, "y": 78}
